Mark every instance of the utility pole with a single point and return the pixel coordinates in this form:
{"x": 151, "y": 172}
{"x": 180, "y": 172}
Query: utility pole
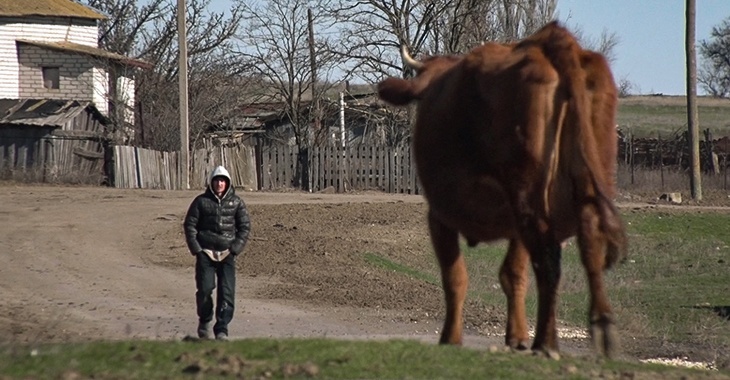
{"x": 183, "y": 82}
{"x": 692, "y": 118}
{"x": 313, "y": 68}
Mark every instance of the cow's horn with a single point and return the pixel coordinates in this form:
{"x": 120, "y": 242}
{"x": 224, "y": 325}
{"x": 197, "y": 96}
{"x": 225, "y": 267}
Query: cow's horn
{"x": 408, "y": 60}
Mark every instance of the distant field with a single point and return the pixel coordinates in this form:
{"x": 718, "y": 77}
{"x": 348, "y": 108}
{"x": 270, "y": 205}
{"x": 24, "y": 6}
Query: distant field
{"x": 651, "y": 116}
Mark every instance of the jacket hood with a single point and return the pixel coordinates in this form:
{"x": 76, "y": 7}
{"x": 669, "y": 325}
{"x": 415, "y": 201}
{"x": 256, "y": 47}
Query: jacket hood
{"x": 219, "y": 171}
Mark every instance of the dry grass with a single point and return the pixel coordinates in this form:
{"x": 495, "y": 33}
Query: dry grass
{"x": 702, "y": 101}
{"x": 665, "y": 116}
{"x": 648, "y": 185}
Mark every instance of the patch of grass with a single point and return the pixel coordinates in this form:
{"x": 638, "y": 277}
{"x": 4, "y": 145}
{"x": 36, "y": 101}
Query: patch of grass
{"x": 482, "y": 264}
{"x": 651, "y": 116}
{"x": 308, "y": 358}
{"x": 484, "y": 261}
{"x": 678, "y": 270}
{"x": 387, "y": 264}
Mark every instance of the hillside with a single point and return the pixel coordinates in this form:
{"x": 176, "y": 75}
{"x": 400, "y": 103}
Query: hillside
{"x": 651, "y": 116}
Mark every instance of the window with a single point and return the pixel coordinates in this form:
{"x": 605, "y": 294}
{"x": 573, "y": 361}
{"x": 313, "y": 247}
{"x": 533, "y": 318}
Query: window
{"x": 51, "y": 77}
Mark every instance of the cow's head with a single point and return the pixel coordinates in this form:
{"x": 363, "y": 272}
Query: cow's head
{"x": 400, "y": 92}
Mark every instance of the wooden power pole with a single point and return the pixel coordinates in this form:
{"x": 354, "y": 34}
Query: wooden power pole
{"x": 692, "y": 118}
{"x": 313, "y": 68}
{"x": 183, "y": 82}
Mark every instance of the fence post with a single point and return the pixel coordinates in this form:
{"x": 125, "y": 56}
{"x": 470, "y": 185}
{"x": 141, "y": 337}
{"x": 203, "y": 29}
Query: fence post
{"x": 724, "y": 165}
{"x": 631, "y": 155}
{"x": 661, "y": 159}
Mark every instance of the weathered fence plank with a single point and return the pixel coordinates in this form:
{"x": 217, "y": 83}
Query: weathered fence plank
{"x": 343, "y": 169}
{"x": 144, "y": 168}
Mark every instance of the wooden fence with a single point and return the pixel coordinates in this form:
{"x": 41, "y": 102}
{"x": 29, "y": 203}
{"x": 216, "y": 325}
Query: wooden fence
{"x": 386, "y": 169}
{"x": 52, "y": 159}
{"x": 672, "y": 152}
{"x": 75, "y": 160}
{"x": 144, "y": 168}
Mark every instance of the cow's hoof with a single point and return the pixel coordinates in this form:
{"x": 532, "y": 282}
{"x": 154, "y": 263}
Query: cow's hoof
{"x": 546, "y": 352}
{"x": 605, "y": 338}
{"x": 452, "y": 341}
{"x": 519, "y": 347}
{"x": 517, "y": 344}
{"x": 521, "y": 351}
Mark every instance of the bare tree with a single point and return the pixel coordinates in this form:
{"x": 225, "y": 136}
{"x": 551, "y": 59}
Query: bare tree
{"x": 712, "y": 79}
{"x": 714, "y": 74}
{"x": 468, "y": 23}
{"x": 374, "y": 30}
{"x": 516, "y": 19}
{"x": 626, "y": 87}
{"x": 148, "y": 30}
{"x": 276, "y": 43}
{"x": 605, "y": 43}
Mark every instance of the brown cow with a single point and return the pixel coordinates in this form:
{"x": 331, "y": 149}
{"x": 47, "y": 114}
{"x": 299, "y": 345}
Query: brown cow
{"x": 518, "y": 141}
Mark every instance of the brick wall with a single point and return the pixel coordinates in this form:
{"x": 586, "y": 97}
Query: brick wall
{"x": 76, "y": 73}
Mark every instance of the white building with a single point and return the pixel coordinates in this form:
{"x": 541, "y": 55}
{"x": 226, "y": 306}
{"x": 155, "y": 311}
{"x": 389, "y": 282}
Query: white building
{"x": 49, "y": 50}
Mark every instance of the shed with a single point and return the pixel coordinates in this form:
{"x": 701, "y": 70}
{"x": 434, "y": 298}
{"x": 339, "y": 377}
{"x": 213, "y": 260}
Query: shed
{"x": 52, "y": 140}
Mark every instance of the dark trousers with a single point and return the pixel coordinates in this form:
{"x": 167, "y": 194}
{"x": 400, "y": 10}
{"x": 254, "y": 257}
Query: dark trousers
{"x": 206, "y": 272}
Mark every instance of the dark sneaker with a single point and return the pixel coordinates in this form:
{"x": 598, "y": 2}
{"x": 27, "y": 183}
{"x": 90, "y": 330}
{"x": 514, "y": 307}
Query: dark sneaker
{"x": 221, "y": 336}
{"x": 204, "y": 330}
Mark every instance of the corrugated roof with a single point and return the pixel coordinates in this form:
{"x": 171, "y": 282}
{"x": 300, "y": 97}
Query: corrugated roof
{"x": 62, "y": 8}
{"x": 89, "y": 50}
{"x": 43, "y": 112}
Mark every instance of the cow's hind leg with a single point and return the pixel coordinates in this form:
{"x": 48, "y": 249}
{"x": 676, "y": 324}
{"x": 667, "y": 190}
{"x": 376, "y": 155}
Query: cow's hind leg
{"x": 514, "y": 279}
{"x": 592, "y": 243}
{"x": 453, "y": 277}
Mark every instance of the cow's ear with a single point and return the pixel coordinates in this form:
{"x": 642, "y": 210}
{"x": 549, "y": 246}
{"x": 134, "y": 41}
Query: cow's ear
{"x": 396, "y": 91}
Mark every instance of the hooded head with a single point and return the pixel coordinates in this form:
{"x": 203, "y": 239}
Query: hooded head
{"x": 219, "y": 181}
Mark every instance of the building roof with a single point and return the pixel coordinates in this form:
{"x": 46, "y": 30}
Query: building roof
{"x": 43, "y": 112}
{"x": 58, "y": 8}
{"x": 89, "y": 50}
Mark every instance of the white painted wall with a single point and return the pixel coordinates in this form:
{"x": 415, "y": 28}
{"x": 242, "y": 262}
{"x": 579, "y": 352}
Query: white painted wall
{"x": 101, "y": 90}
{"x": 81, "y": 31}
{"x": 125, "y": 85}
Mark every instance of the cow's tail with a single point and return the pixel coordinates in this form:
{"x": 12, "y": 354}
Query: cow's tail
{"x": 613, "y": 226}
{"x": 564, "y": 53}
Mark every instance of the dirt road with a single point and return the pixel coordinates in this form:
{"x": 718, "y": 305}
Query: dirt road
{"x": 96, "y": 263}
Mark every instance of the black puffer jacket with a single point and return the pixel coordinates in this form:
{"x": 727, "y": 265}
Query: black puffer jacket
{"x": 217, "y": 224}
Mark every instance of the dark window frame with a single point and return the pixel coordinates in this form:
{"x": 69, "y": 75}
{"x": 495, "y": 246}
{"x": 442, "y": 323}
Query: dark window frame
{"x": 51, "y": 77}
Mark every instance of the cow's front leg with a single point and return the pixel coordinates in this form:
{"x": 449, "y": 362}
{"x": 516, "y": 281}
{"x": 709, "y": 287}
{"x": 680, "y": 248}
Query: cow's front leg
{"x": 454, "y": 278}
{"x": 535, "y": 232}
{"x": 514, "y": 279}
{"x": 545, "y": 255}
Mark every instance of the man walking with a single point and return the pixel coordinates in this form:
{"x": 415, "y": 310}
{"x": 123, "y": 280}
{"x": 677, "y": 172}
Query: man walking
{"x": 216, "y": 226}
